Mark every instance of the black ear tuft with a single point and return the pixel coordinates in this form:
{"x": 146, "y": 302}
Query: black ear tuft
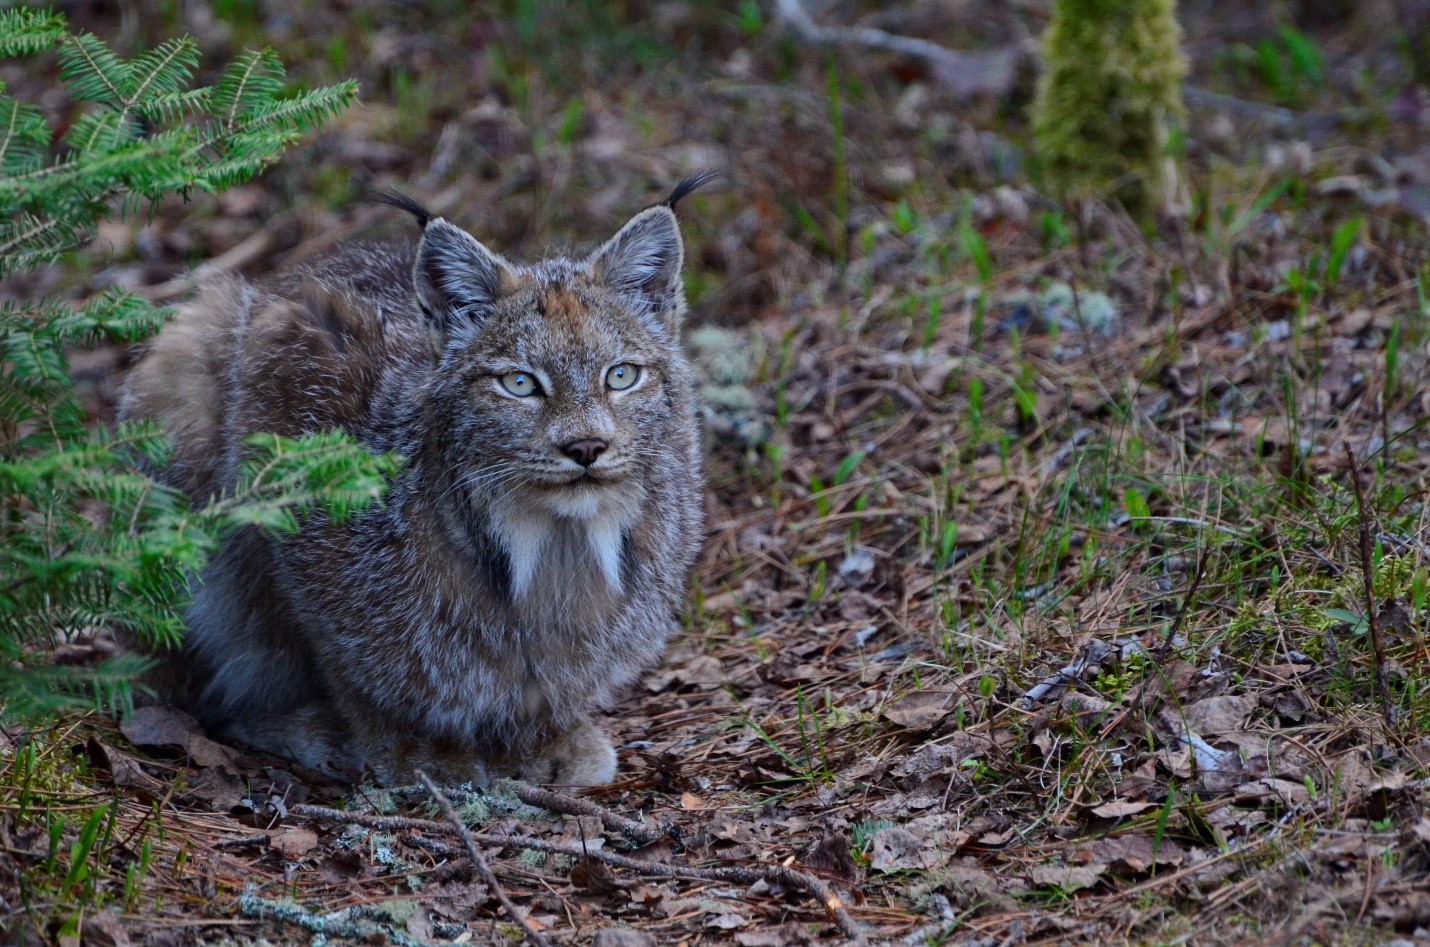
{"x": 382, "y": 195}
{"x": 694, "y": 182}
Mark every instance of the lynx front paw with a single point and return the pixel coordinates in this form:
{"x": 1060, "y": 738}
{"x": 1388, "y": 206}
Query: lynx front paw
{"x": 581, "y": 757}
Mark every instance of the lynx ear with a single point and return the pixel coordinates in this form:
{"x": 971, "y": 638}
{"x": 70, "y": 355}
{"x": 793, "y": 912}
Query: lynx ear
{"x": 457, "y": 279}
{"x": 642, "y": 264}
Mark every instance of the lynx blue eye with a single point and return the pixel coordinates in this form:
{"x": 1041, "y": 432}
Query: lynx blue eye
{"x": 520, "y": 384}
{"x": 621, "y": 377}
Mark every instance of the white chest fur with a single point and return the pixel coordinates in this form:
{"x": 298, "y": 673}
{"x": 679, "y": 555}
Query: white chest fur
{"x": 565, "y": 550}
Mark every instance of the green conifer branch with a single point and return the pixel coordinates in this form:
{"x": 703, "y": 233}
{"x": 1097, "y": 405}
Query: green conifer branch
{"x": 25, "y": 31}
{"x": 88, "y": 537}
{"x": 91, "y": 70}
{"x": 24, "y": 136}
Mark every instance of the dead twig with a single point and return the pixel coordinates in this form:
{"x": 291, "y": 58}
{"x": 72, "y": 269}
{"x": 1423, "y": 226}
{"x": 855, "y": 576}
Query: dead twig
{"x": 480, "y": 863}
{"x": 252, "y": 249}
{"x": 1170, "y": 638}
{"x": 570, "y": 805}
{"x": 235, "y": 258}
{"x": 1272, "y": 115}
{"x": 965, "y": 73}
{"x": 737, "y": 874}
{"x": 1382, "y": 686}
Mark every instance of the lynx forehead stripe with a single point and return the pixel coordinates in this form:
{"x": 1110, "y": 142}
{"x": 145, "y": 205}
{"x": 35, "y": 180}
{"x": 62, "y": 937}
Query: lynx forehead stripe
{"x": 562, "y": 305}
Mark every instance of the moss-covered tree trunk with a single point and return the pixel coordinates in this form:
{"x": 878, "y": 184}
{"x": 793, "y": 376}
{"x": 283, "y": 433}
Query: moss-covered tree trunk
{"x": 1109, "y": 95}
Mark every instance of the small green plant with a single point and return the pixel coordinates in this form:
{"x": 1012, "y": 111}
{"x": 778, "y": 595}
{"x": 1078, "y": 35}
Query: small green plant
{"x": 934, "y": 306}
{"x": 812, "y": 764}
{"x": 1342, "y": 240}
{"x": 947, "y": 545}
{"x": 1108, "y": 100}
{"x": 572, "y": 118}
{"x": 1054, "y": 230}
{"x": 903, "y": 218}
{"x": 88, "y": 538}
{"x": 862, "y": 834}
{"x": 977, "y": 249}
{"x": 751, "y": 20}
{"x": 1290, "y": 65}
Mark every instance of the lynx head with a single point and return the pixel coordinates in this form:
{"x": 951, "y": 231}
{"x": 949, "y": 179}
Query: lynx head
{"x": 562, "y": 384}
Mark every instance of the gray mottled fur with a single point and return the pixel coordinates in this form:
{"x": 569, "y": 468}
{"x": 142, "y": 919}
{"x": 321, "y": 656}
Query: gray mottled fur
{"x": 475, "y": 622}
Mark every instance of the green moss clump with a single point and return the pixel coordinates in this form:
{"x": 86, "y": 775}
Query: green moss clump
{"x": 1109, "y": 93}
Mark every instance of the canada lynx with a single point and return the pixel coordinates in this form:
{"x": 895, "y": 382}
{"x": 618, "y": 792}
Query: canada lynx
{"x": 529, "y": 559}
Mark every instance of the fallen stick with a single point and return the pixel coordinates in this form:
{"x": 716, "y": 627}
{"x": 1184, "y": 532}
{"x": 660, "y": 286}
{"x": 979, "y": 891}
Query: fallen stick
{"x": 480, "y": 863}
{"x": 570, "y": 805}
{"x": 966, "y": 73}
{"x": 235, "y": 258}
{"x": 778, "y": 874}
{"x": 255, "y": 246}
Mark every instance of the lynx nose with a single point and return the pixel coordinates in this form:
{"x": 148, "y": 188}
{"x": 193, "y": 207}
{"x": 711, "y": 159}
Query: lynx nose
{"x": 585, "y": 452}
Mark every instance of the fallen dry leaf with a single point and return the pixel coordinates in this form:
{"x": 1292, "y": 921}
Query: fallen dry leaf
{"x": 830, "y": 856}
{"x": 726, "y": 921}
{"x": 1068, "y": 878}
{"x": 789, "y": 935}
{"x": 1120, "y": 809}
{"x": 701, "y": 672}
{"x": 293, "y": 842}
{"x": 1219, "y": 714}
{"x": 122, "y": 768}
{"x": 104, "y": 929}
{"x": 895, "y": 849}
{"x": 170, "y": 727}
{"x": 214, "y": 790}
{"x": 595, "y": 877}
{"x": 622, "y": 937}
{"x": 1130, "y": 854}
{"x": 1283, "y": 792}
{"x": 920, "y": 710}
{"x": 968, "y": 886}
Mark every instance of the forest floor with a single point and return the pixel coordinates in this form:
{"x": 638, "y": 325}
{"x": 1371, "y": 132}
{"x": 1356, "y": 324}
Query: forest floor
{"x": 1034, "y": 603}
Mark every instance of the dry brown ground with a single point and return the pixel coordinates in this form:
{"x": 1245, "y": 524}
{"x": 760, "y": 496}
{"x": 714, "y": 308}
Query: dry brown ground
{"x": 1024, "y": 617}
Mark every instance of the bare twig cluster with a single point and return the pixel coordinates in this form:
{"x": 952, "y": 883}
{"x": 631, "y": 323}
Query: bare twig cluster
{"x": 782, "y": 875}
{"x": 480, "y": 863}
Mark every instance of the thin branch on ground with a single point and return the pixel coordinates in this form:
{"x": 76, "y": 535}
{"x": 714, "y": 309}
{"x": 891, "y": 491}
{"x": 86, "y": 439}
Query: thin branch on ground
{"x": 965, "y": 72}
{"x": 771, "y": 874}
{"x": 570, "y": 805}
{"x": 1382, "y": 686}
{"x": 1170, "y": 639}
{"x": 480, "y": 863}
{"x": 235, "y": 258}
{"x": 1274, "y": 115}
{"x": 794, "y": 13}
